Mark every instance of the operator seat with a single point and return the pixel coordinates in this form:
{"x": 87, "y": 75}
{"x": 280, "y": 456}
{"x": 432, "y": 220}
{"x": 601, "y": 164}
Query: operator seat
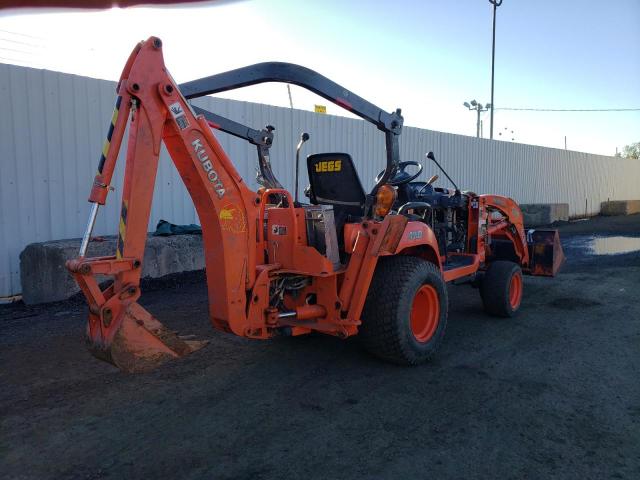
{"x": 334, "y": 181}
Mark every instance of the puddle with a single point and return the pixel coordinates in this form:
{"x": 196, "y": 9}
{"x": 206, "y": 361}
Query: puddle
{"x": 614, "y": 245}
{"x": 606, "y": 245}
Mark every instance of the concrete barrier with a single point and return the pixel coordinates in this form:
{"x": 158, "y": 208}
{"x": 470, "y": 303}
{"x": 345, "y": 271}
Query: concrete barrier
{"x": 620, "y": 207}
{"x": 45, "y": 279}
{"x": 536, "y": 214}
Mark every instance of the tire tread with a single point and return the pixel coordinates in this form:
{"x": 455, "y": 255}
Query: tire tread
{"x": 494, "y": 288}
{"x": 391, "y": 287}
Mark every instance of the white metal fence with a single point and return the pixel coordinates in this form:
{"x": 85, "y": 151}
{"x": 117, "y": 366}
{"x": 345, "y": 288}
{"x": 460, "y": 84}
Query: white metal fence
{"x": 52, "y": 127}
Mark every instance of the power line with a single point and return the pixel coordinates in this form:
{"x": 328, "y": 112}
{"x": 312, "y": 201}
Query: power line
{"x": 20, "y": 34}
{"x": 570, "y": 109}
{"x": 10, "y": 40}
{"x": 17, "y": 60}
{"x": 16, "y": 50}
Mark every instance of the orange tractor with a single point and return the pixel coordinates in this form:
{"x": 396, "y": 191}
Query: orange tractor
{"x": 345, "y": 262}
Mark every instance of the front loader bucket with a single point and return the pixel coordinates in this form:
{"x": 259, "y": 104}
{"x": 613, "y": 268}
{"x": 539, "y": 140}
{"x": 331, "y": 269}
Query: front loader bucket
{"x": 140, "y": 343}
{"x": 545, "y": 252}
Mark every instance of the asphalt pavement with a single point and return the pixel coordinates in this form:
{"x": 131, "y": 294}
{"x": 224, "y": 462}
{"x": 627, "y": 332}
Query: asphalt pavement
{"x": 551, "y": 393}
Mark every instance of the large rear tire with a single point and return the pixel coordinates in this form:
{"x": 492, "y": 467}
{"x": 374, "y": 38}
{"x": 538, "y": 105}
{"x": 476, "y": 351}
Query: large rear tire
{"x": 501, "y": 289}
{"x": 405, "y": 314}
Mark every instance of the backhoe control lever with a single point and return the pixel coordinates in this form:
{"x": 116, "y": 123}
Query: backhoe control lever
{"x": 263, "y": 139}
{"x": 253, "y": 136}
{"x": 303, "y": 138}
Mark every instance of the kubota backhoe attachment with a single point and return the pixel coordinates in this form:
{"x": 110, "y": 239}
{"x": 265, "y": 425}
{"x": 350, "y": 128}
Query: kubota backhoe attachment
{"x": 248, "y": 258}
{"x": 119, "y": 330}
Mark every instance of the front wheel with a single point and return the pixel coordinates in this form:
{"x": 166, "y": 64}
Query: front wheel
{"x": 405, "y": 314}
{"x": 501, "y": 289}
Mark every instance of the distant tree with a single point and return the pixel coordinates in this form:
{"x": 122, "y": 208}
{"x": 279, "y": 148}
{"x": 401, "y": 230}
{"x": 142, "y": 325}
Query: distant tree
{"x": 632, "y": 151}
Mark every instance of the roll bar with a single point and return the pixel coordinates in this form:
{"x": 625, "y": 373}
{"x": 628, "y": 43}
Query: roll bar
{"x": 389, "y": 123}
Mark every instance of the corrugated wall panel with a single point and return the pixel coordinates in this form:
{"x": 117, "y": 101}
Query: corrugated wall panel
{"x": 54, "y": 124}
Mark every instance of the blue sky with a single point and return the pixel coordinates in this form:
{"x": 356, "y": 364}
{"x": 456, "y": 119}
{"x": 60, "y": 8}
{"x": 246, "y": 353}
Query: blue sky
{"x": 427, "y": 57}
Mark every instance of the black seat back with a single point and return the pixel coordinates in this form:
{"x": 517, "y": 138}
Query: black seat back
{"x": 334, "y": 181}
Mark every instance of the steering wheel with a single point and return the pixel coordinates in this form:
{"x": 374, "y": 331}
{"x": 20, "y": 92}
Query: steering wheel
{"x": 401, "y": 177}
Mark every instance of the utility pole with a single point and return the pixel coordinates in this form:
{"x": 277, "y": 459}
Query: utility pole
{"x": 479, "y": 109}
{"x": 496, "y": 4}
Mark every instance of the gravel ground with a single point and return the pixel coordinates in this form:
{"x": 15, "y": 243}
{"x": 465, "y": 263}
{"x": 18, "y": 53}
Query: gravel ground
{"x": 552, "y": 393}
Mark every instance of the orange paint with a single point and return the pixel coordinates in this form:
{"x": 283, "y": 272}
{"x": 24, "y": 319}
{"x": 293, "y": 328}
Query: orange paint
{"x": 255, "y": 243}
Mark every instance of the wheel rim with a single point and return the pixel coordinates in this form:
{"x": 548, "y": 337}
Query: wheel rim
{"x": 515, "y": 290}
{"x": 425, "y": 313}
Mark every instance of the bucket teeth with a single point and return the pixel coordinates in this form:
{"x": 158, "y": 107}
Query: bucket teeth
{"x": 141, "y": 343}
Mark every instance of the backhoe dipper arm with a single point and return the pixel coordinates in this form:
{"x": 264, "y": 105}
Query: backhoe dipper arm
{"x": 389, "y": 123}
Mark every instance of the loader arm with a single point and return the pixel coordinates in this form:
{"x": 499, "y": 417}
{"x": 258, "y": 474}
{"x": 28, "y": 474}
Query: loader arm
{"x": 511, "y": 226}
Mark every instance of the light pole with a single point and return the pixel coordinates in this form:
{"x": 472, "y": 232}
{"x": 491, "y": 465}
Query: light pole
{"x": 496, "y": 4}
{"x": 479, "y": 109}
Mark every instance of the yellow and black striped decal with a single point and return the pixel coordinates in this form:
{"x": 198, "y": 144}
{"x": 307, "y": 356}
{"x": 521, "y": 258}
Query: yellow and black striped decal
{"x": 107, "y": 143}
{"x": 122, "y": 231}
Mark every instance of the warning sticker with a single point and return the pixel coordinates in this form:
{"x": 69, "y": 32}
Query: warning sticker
{"x": 178, "y": 115}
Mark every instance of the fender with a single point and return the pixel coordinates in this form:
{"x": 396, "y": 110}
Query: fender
{"x": 419, "y": 240}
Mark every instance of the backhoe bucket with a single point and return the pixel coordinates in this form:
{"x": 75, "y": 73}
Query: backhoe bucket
{"x": 140, "y": 342}
{"x": 545, "y": 252}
